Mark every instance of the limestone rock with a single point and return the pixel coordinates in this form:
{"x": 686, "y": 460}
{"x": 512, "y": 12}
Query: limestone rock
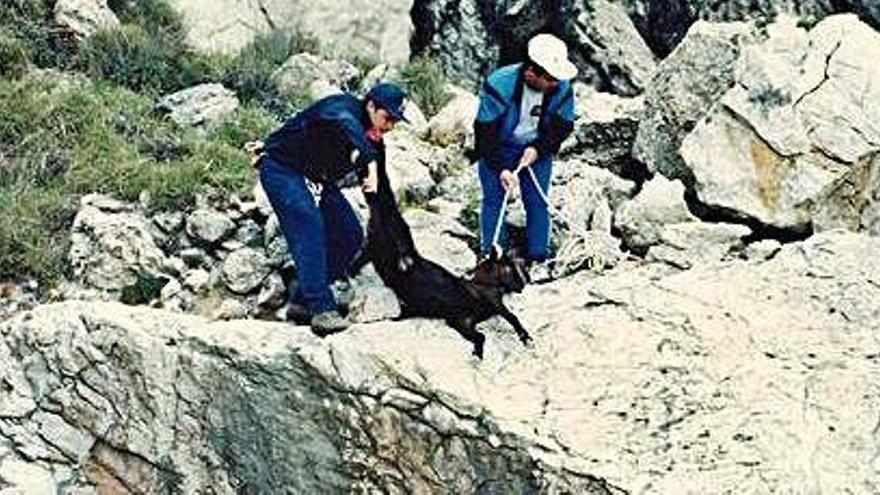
{"x": 641, "y": 380}
{"x": 84, "y": 17}
{"x": 111, "y": 245}
{"x": 203, "y": 106}
{"x": 776, "y": 151}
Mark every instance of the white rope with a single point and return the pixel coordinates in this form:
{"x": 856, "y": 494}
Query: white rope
{"x": 495, "y": 246}
{"x": 576, "y": 251}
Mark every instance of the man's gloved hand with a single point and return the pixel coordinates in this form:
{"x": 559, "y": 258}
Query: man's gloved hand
{"x": 371, "y": 181}
{"x": 530, "y": 154}
{"x": 255, "y": 150}
{"x": 508, "y": 180}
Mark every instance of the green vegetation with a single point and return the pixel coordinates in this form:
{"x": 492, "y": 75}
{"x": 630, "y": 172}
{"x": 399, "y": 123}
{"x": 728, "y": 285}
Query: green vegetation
{"x": 249, "y": 73}
{"x": 425, "y": 83}
{"x": 64, "y": 137}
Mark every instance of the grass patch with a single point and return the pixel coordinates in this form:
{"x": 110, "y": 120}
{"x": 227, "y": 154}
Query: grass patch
{"x": 64, "y": 139}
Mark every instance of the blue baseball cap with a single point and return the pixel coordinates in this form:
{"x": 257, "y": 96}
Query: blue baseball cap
{"x": 390, "y": 97}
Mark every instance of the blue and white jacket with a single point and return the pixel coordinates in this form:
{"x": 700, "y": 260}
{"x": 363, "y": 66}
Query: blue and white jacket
{"x": 498, "y": 115}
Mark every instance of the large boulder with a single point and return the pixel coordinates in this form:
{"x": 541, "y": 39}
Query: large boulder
{"x": 203, "y": 106}
{"x": 454, "y": 123}
{"x": 645, "y": 380}
{"x": 641, "y": 220}
{"x": 378, "y": 30}
{"x": 83, "y": 18}
{"x": 312, "y": 76}
{"x": 408, "y": 161}
{"x": 683, "y": 90}
{"x": 690, "y": 244}
{"x": 111, "y": 245}
{"x": 664, "y": 23}
{"x": 797, "y": 134}
{"x": 605, "y": 130}
{"x": 441, "y": 240}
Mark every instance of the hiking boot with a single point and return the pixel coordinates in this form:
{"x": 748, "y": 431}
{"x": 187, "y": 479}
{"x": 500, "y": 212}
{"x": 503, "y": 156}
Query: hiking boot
{"x": 298, "y": 314}
{"x": 328, "y": 322}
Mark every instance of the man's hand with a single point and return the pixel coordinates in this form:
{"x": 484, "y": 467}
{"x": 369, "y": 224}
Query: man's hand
{"x": 508, "y": 180}
{"x": 530, "y": 154}
{"x": 371, "y": 181}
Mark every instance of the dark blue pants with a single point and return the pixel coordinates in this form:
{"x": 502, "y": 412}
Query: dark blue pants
{"x": 322, "y": 238}
{"x": 537, "y": 214}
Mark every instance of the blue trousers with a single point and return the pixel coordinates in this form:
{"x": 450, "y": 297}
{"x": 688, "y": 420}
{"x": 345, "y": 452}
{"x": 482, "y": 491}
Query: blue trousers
{"x": 537, "y": 214}
{"x": 322, "y": 238}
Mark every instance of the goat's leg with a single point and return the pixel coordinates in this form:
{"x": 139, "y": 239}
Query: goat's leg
{"x": 465, "y": 327}
{"x": 511, "y": 318}
{"x": 357, "y": 263}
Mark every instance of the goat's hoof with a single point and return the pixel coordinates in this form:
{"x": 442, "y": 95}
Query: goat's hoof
{"x": 478, "y": 346}
{"x": 526, "y": 339}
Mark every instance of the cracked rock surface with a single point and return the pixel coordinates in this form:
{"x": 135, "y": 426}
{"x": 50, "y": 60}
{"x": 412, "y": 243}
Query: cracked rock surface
{"x": 751, "y": 376}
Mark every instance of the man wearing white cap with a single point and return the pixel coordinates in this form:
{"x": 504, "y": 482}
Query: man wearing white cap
{"x": 526, "y": 111}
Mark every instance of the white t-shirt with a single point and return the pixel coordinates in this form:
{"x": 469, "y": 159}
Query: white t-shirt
{"x": 526, "y": 130}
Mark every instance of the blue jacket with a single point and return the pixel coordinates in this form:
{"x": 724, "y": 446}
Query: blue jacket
{"x": 318, "y": 141}
{"x": 498, "y": 115}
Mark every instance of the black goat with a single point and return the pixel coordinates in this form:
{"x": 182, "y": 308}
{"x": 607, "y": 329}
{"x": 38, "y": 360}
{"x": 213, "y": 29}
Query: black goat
{"x": 425, "y": 288}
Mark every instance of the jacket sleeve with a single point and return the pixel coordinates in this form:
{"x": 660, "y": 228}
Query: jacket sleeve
{"x": 353, "y": 131}
{"x": 487, "y": 127}
{"x": 558, "y": 127}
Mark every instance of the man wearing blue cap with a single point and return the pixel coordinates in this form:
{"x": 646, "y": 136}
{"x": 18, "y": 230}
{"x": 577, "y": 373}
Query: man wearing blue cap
{"x": 333, "y": 142}
{"x": 526, "y": 111}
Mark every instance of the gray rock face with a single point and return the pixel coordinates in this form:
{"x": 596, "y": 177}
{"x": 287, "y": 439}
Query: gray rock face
{"x": 378, "y": 29}
{"x": 640, "y": 381}
{"x": 683, "y": 90}
{"x": 111, "y": 245}
{"x": 440, "y": 240}
{"x": 607, "y": 39}
{"x": 798, "y": 132}
{"x": 685, "y": 245}
{"x": 665, "y": 22}
{"x": 245, "y": 269}
{"x": 454, "y": 123}
{"x": 201, "y": 106}
{"x": 659, "y": 203}
{"x": 314, "y": 76}
{"x": 209, "y": 226}
{"x": 470, "y": 38}
{"x": 84, "y": 17}
{"x": 605, "y": 129}
{"x": 408, "y": 160}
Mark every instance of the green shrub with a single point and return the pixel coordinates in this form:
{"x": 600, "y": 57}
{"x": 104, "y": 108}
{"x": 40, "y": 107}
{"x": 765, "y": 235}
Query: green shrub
{"x": 136, "y": 58}
{"x": 34, "y": 226}
{"x": 250, "y": 72}
{"x": 424, "y": 81}
{"x": 156, "y": 16}
{"x": 13, "y": 55}
{"x": 27, "y": 36}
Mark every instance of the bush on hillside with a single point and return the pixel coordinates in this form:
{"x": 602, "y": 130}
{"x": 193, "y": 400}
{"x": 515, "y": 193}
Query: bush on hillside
{"x": 28, "y": 37}
{"x": 425, "y": 83}
{"x": 250, "y": 72}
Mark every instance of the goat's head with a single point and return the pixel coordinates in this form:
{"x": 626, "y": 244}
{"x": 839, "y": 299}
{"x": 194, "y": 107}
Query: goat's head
{"x": 503, "y": 271}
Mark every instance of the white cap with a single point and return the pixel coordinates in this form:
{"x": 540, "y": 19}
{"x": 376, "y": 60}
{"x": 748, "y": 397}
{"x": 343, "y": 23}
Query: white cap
{"x": 551, "y": 54}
